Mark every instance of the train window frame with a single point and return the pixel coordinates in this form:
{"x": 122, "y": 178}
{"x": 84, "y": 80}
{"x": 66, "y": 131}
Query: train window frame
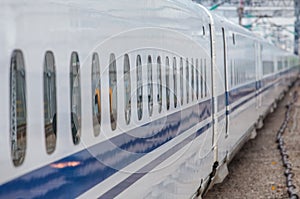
{"x": 187, "y": 86}
{"x": 233, "y": 39}
{"x": 167, "y": 83}
{"x": 202, "y": 78}
{"x": 175, "y": 81}
{"x": 159, "y": 84}
{"x": 139, "y": 84}
{"x": 96, "y": 93}
{"x": 50, "y": 110}
{"x": 197, "y": 78}
{"x": 192, "y": 79}
{"x": 112, "y": 91}
{"x": 75, "y": 98}
{"x": 150, "y": 85}
{"x": 18, "y": 121}
{"x": 181, "y": 81}
{"x": 127, "y": 89}
{"x": 205, "y": 79}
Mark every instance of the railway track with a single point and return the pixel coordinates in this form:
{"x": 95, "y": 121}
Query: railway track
{"x": 258, "y": 171}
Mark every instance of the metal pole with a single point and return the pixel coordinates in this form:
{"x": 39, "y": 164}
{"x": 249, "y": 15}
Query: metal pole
{"x": 297, "y": 26}
{"x": 241, "y": 11}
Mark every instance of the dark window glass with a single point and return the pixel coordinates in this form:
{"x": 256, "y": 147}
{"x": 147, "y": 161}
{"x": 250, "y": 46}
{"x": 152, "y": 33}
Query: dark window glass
{"x": 113, "y": 91}
{"x": 139, "y": 78}
{"x": 192, "y": 79}
{"x": 75, "y": 95}
{"x": 18, "y": 112}
{"x": 150, "y": 86}
{"x": 96, "y": 94}
{"x": 50, "y": 116}
{"x": 205, "y": 79}
{"x": 175, "y": 81}
{"x": 197, "y": 78}
{"x": 127, "y": 87}
{"x": 167, "y": 83}
{"x": 181, "y": 80}
{"x": 187, "y": 80}
{"x": 159, "y": 85}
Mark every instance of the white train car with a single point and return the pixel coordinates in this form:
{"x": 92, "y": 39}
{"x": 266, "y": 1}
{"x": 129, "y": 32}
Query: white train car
{"x": 128, "y": 99}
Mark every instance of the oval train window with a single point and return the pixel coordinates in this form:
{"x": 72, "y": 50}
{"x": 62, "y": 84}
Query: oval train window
{"x": 192, "y": 79}
{"x": 127, "y": 87}
{"x": 175, "y": 81}
{"x": 181, "y": 81}
{"x": 139, "y": 87}
{"x": 18, "y": 112}
{"x": 150, "y": 86}
{"x": 96, "y": 94}
{"x": 113, "y": 91}
{"x": 159, "y": 84}
{"x": 75, "y": 95}
{"x": 187, "y": 80}
{"x": 50, "y": 116}
{"x": 167, "y": 83}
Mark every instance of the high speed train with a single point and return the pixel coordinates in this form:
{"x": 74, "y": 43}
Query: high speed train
{"x": 128, "y": 99}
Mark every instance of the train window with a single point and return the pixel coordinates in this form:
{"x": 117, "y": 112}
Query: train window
{"x": 167, "y": 83}
{"x": 202, "y": 77}
{"x": 187, "y": 80}
{"x": 232, "y": 74}
{"x": 192, "y": 79}
{"x": 139, "y": 79}
{"x": 181, "y": 81}
{"x": 197, "y": 78}
{"x": 268, "y": 67}
{"x": 279, "y": 65}
{"x": 96, "y": 95}
{"x": 205, "y": 79}
{"x": 159, "y": 85}
{"x": 75, "y": 96}
{"x": 113, "y": 91}
{"x": 50, "y": 102}
{"x": 127, "y": 87}
{"x": 233, "y": 38}
{"x": 18, "y": 113}
{"x": 150, "y": 86}
{"x": 175, "y": 81}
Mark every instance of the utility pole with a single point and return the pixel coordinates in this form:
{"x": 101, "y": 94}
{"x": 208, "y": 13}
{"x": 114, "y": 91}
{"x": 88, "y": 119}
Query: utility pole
{"x": 241, "y": 11}
{"x": 297, "y": 26}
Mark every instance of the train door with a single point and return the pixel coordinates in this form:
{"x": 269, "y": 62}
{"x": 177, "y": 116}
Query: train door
{"x": 225, "y": 84}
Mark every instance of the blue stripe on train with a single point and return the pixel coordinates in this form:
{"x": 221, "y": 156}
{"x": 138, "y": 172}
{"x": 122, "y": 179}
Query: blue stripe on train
{"x": 104, "y": 159}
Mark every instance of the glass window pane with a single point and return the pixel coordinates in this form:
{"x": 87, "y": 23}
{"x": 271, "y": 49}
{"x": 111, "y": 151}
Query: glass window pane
{"x": 187, "y": 80}
{"x": 159, "y": 85}
{"x": 205, "y": 79}
{"x": 197, "y": 79}
{"x": 127, "y": 87}
{"x": 96, "y": 94}
{"x": 113, "y": 91}
{"x": 139, "y": 87}
{"x": 192, "y": 79}
{"x": 18, "y": 113}
{"x": 175, "y": 81}
{"x": 150, "y": 86}
{"x": 167, "y": 83}
{"x": 181, "y": 81}
{"x": 50, "y": 102}
{"x": 75, "y": 97}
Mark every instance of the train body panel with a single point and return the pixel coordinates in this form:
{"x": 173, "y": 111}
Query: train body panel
{"x": 127, "y": 99}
